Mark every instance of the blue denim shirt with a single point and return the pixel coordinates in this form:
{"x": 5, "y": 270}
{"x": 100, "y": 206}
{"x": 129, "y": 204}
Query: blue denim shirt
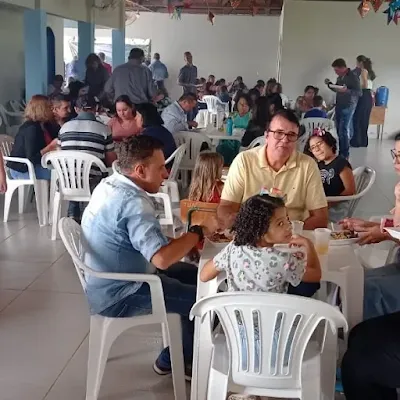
{"x": 175, "y": 118}
{"x": 121, "y": 234}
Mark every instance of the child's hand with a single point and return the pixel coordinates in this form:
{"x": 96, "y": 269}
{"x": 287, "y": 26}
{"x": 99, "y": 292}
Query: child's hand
{"x": 3, "y": 186}
{"x": 300, "y": 241}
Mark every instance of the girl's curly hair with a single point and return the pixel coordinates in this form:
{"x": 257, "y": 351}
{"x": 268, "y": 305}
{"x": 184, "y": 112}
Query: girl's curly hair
{"x": 253, "y": 219}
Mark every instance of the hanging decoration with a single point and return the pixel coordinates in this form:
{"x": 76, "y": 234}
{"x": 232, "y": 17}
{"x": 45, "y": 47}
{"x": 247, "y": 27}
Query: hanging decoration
{"x": 170, "y": 7}
{"x": 187, "y": 4}
{"x": 177, "y": 12}
{"x": 253, "y": 7}
{"x": 376, "y": 4}
{"x": 363, "y": 8}
{"x": 235, "y": 4}
{"x": 393, "y": 12}
{"x": 210, "y": 17}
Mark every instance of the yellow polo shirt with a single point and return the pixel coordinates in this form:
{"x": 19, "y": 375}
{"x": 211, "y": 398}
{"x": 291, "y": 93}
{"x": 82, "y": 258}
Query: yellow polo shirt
{"x": 299, "y": 179}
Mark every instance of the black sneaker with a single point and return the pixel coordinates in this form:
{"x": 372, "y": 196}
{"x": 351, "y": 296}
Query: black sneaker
{"x": 161, "y": 370}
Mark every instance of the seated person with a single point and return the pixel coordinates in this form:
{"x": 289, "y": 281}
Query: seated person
{"x": 164, "y": 100}
{"x": 56, "y": 87}
{"x": 254, "y": 95}
{"x": 381, "y": 285}
{"x": 223, "y": 95}
{"x": 210, "y": 87}
{"x": 175, "y": 115}
{"x": 237, "y": 86}
{"x": 35, "y": 137}
{"x": 336, "y": 172}
{"x": 150, "y": 123}
{"x": 265, "y": 108}
{"x": 61, "y": 110}
{"x": 261, "y": 223}
{"x": 240, "y": 118}
{"x": 305, "y": 103}
{"x": 371, "y": 364}
{"x": 86, "y": 134}
{"x": 122, "y": 234}
{"x": 277, "y": 165}
{"x": 123, "y": 125}
{"x": 317, "y": 111}
{"x": 206, "y": 184}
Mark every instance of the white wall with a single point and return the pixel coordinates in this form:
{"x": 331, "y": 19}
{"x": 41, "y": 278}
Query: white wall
{"x": 316, "y": 33}
{"x": 235, "y": 45}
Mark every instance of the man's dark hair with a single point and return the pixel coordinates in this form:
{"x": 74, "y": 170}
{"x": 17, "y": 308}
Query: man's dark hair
{"x": 137, "y": 149}
{"x": 136, "y": 54}
{"x": 260, "y": 82}
{"x": 289, "y": 115}
{"x": 188, "y": 97}
{"x": 397, "y": 137}
{"x": 58, "y": 78}
{"x": 58, "y": 98}
{"x": 318, "y": 101}
{"x": 86, "y": 102}
{"x": 339, "y": 63}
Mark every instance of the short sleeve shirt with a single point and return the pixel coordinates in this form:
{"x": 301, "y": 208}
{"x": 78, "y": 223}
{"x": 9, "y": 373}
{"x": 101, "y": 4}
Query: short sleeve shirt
{"x": 260, "y": 269}
{"x": 299, "y": 180}
{"x": 330, "y": 175}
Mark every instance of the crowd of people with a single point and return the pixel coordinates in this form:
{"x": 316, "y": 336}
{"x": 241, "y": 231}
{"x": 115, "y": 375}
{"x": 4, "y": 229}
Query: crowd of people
{"x": 266, "y": 187}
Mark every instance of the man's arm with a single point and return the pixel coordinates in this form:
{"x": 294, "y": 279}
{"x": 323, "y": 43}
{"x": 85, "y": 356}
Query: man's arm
{"x": 353, "y": 85}
{"x": 317, "y": 219}
{"x": 109, "y": 86}
{"x": 226, "y": 212}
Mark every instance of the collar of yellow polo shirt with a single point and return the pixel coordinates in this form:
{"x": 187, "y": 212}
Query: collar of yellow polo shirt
{"x": 299, "y": 180}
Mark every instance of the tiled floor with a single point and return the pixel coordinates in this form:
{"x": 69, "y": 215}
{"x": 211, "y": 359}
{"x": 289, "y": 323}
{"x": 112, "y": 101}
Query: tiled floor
{"x": 44, "y": 315}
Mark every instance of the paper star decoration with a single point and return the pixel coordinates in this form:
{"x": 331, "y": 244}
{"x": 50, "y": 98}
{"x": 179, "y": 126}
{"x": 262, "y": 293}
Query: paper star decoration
{"x": 393, "y": 12}
{"x": 211, "y": 17}
{"x": 376, "y": 4}
{"x": 363, "y": 8}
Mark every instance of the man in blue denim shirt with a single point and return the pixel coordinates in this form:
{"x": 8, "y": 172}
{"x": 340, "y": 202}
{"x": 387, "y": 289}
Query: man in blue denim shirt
{"x": 122, "y": 234}
{"x": 346, "y": 103}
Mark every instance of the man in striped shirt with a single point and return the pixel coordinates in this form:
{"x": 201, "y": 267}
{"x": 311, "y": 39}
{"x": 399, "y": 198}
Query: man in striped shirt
{"x": 85, "y": 133}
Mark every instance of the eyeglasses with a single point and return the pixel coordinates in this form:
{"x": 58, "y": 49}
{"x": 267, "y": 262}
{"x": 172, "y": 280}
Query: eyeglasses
{"x": 317, "y": 145}
{"x": 395, "y": 156}
{"x": 290, "y": 136}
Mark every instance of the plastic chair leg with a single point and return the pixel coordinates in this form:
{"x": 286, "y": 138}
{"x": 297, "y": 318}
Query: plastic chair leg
{"x": 176, "y": 352}
{"x": 21, "y": 199}
{"x": 56, "y": 215}
{"x": 7, "y": 201}
{"x": 99, "y": 348}
{"x": 42, "y": 201}
{"x": 164, "y": 331}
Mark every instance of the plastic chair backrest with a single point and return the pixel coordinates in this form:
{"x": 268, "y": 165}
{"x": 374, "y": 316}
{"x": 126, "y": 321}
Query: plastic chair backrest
{"x": 70, "y": 233}
{"x": 167, "y": 218}
{"x": 73, "y": 170}
{"x": 364, "y": 178}
{"x": 6, "y": 144}
{"x": 16, "y": 106}
{"x": 260, "y": 141}
{"x": 199, "y": 213}
{"x": 193, "y": 141}
{"x": 312, "y": 123}
{"x": 213, "y": 104}
{"x": 177, "y": 156}
{"x": 267, "y": 334}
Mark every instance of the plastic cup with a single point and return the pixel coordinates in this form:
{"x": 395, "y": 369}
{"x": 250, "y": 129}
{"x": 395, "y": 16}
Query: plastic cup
{"x": 322, "y": 238}
{"x": 297, "y": 227}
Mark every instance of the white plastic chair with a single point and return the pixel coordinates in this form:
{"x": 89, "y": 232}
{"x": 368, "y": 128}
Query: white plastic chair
{"x": 104, "y": 331}
{"x": 364, "y": 178}
{"x": 40, "y": 186}
{"x": 260, "y": 141}
{"x": 17, "y": 106}
{"x": 194, "y": 142}
{"x": 171, "y": 184}
{"x": 312, "y": 123}
{"x": 7, "y": 117}
{"x": 279, "y": 361}
{"x": 215, "y": 107}
{"x": 72, "y": 174}
{"x": 166, "y": 217}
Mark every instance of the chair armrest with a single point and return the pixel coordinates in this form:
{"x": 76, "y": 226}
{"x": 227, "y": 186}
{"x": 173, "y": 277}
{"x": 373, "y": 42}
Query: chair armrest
{"x": 344, "y": 198}
{"x": 154, "y": 282}
{"x": 25, "y": 161}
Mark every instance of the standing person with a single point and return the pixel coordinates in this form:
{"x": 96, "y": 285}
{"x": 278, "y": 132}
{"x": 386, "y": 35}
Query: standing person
{"x": 122, "y": 234}
{"x": 86, "y": 134}
{"x": 132, "y": 79}
{"x": 317, "y": 111}
{"x": 187, "y": 79}
{"x": 107, "y": 66}
{"x": 346, "y": 102}
{"x": 96, "y": 75}
{"x": 72, "y": 70}
{"x": 365, "y": 102}
{"x": 159, "y": 71}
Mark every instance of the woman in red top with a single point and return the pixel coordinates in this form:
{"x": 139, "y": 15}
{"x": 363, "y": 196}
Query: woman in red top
{"x": 124, "y": 124}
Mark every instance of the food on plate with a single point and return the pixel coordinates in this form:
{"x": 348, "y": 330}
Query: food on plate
{"x": 221, "y": 237}
{"x": 343, "y": 235}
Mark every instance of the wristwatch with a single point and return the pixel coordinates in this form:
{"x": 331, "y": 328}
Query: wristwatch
{"x": 198, "y": 230}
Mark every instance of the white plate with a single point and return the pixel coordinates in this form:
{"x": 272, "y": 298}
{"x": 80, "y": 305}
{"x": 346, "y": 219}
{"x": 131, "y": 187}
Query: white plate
{"x": 218, "y": 245}
{"x": 393, "y": 232}
{"x": 342, "y": 242}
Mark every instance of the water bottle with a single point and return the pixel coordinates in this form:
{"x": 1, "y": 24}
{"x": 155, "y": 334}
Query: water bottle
{"x": 382, "y": 96}
{"x": 229, "y": 126}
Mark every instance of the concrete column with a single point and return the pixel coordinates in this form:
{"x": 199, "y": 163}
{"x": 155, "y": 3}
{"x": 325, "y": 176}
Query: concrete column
{"x": 118, "y": 47}
{"x": 35, "y": 24}
{"x": 85, "y": 45}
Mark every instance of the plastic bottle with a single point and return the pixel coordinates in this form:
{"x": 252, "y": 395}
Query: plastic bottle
{"x": 229, "y": 126}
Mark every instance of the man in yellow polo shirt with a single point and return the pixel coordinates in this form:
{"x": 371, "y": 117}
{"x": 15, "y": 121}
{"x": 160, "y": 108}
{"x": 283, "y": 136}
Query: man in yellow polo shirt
{"x": 278, "y": 166}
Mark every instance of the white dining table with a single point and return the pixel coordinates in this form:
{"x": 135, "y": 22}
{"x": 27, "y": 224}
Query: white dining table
{"x": 340, "y": 266}
{"x": 216, "y": 135}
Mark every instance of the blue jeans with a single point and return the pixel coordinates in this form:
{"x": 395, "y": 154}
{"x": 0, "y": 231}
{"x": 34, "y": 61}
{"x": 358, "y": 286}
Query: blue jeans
{"x": 381, "y": 291}
{"x": 40, "y": 172}
{"x": 179, "y": 286}
{"x": 344, "y": 126}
